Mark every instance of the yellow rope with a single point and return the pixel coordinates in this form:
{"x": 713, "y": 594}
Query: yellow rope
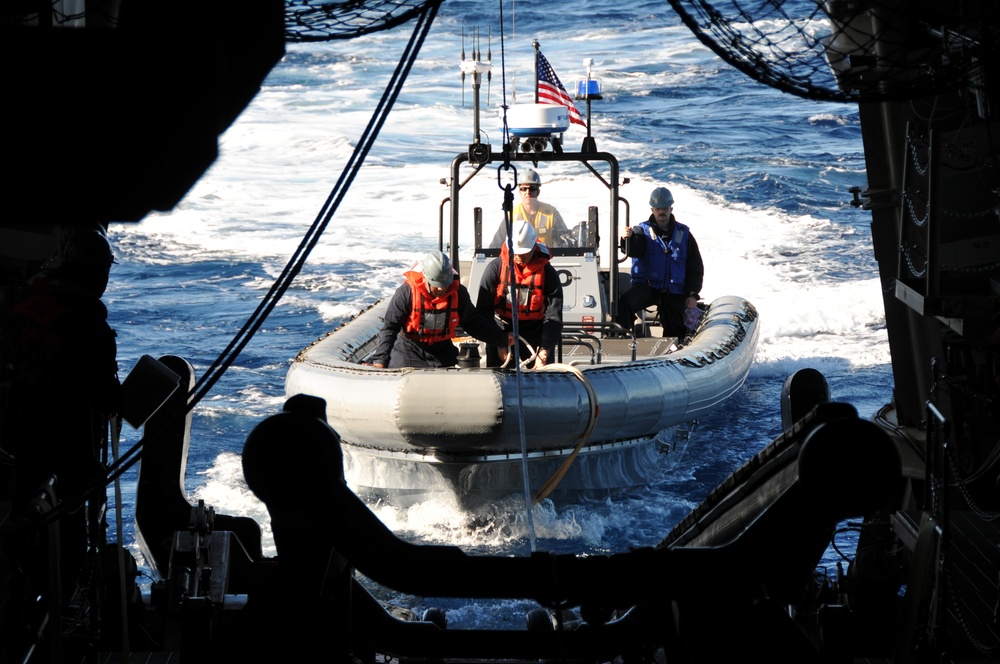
{"x": 551, "y": 483}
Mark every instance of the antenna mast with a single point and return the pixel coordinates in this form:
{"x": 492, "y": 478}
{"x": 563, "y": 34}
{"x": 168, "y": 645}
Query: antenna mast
{"x": 475, "y": 66}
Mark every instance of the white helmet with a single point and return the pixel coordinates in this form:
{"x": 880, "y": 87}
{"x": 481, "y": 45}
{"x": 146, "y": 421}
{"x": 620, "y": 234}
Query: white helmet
{"x": 530, "y": 177}
{"x": 525, "y": 237}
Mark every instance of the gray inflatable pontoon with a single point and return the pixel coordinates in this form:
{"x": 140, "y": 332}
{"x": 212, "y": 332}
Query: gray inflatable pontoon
{"x": 403, "y": 429}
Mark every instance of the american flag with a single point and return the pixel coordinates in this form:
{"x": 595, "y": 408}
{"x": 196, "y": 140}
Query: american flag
{"x": 551, "y": 90}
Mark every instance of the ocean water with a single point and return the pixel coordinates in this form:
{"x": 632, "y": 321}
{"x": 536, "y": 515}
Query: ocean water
{"x": 761, "y": 177}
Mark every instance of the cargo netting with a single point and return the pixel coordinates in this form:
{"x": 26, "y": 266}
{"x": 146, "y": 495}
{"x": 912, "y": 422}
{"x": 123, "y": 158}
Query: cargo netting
{"x": 853, "y": 50}
{"x": 312, "y": 20}
{"x": 305, "y": 20}
{"x": 834, "y": 50}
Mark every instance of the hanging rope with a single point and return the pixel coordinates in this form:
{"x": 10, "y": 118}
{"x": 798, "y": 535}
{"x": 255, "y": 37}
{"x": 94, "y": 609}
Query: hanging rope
{"x": 295, "y": 263}
{"x": 508, "y": 220}
{"x": 595, "y": 409}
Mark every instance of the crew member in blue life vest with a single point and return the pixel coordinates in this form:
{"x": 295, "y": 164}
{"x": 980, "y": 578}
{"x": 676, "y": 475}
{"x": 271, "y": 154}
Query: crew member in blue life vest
{"x": 548, "y": 223}
{"x": 540, "y": 296}
{"x": 424, "y": 316}
{"x": 667, "y": 269}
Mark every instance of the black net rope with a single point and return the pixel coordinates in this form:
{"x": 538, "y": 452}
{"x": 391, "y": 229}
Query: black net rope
{"x": 305, "y": 20}
{"x": 311, "y": 20}
{"x": 853, "y": 50}
{"x": 831, "y": 50}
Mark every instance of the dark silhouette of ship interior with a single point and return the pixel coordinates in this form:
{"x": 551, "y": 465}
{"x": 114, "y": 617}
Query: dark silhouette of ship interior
{"x": 116, "y": 111}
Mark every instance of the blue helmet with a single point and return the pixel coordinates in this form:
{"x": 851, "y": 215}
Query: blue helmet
{"x": 661, "y": 198}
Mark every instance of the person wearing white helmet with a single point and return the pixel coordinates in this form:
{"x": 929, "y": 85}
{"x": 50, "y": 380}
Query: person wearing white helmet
{"x": 667, "y": 268}
{"x": 424, "y": 316}
{"x": 548, "y": 223}
{"x": 539, "y": 296}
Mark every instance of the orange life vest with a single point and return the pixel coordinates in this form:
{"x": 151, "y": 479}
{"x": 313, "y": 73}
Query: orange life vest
{"x": 432, "y": 319}
{"x": 530, "y": 281}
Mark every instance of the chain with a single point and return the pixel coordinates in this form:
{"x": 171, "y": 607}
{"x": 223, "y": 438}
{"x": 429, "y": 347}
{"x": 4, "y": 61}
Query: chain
{"x": 918, "y": 220}
{"x": 972, "y": 215}
{"x": 973, "y": 269}
{"x": 960, "y": 616}
{"x": 921, "y": 169}
{"x": 909, "y": 261}
{"x": 969, "y": 500}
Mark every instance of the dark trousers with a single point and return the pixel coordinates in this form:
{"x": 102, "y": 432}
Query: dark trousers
{"x": 642, "y": 295}
{"x": 530, "y": 332}
{"x": 493, "y": 357}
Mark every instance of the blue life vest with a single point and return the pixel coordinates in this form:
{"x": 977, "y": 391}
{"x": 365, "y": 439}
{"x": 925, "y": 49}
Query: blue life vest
{"x": 663, "y": 266}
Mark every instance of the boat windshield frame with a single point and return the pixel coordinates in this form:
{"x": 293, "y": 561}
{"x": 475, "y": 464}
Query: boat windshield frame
{"x": 608, "y": 176}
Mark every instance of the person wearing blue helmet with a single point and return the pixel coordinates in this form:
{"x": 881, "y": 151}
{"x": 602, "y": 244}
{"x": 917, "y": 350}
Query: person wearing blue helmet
{"x": 667, "y": 268}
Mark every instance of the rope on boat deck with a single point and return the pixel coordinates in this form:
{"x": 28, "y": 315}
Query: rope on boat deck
{"x": 595, "y": 409}
{"x": 523, "y": 363}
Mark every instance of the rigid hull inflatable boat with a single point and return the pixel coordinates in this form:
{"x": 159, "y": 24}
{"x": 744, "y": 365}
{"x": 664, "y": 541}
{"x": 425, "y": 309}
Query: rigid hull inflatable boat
{"x": 586, "y": 422}
{"x": 404, "y": 430}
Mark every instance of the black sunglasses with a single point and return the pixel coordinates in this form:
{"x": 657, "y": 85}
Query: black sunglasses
{"x": 532, "y": 187}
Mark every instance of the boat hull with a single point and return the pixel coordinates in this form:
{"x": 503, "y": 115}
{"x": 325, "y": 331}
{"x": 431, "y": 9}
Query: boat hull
{"x": 410, "y": 429}
{"x": 594, "y": 473}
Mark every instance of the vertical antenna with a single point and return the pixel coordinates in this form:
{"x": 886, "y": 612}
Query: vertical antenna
{"x": 513, "y": 37}
{"x": 463, "y": 70}
{"x": 534, "y": 43}
{"x": 475, "y": 67}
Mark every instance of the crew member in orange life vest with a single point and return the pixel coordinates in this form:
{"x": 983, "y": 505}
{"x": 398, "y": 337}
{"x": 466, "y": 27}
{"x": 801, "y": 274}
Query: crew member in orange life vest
{"x": 540, "y": 296}
{"x": 548, "y": 223}
{"x": 424, "y": 315}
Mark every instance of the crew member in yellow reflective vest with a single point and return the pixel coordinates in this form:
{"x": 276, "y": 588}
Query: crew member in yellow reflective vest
{"x": 545, "y": 218}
